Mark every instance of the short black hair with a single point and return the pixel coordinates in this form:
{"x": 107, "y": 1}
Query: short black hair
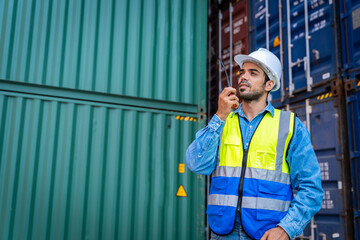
{"x": 266, "y": 78}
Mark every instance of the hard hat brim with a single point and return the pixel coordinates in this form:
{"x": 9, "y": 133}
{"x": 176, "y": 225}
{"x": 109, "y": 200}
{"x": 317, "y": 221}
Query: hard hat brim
{"x": 241, "y": 59}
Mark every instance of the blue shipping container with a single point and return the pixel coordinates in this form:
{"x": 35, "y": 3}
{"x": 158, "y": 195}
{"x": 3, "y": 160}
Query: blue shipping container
{"x": 353, "y": 107}
{"x": 322, "y": 44}
{"x": 350, "y": 30}
{"x": 322, "y": 113}
{"x": 265, "y": 32}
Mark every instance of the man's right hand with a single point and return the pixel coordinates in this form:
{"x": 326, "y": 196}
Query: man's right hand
{"x": 227, "y": 99}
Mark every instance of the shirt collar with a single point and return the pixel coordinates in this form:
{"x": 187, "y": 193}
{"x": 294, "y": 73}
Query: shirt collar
{"x": 269, "y": 108}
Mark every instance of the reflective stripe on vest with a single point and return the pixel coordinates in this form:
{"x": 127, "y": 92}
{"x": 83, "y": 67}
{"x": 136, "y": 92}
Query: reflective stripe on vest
{"x": 257, "y": 173}
{"x": 266, "y": 194}
{"x": 249, "y": 202}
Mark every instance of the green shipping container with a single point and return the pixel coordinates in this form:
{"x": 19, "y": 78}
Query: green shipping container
{"x": 79, "y": 170}
{"x": 153, "y": 49}
{"x": 99, "y": 101}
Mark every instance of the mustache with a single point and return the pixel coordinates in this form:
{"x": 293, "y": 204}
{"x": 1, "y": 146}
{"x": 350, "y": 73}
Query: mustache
{"x": 244, "y": 82}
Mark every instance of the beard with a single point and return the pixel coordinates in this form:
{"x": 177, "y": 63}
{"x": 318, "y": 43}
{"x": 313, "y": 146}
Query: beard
{"x": 253, "y": 95}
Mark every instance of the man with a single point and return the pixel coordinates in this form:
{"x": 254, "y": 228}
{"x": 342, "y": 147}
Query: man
{"x": 256, "y": 156}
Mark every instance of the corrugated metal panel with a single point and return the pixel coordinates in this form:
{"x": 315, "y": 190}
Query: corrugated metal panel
{"x": 258, "y": 25}
{"x": 260, "y": 32}
{"x": 325, "y": 129}
{"x": 235, "y": 36}
{"x": 350, "y": 14}
{"x": 151, "y": 49}
{"x": 323, "y": 59}
{"x": 80, "y": 170}
{"x": 226, "y": 28}
{"x": 353, "y": 102}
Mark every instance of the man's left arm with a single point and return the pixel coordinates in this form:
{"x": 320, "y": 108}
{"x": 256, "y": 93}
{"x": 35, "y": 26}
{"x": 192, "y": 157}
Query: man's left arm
{"x": 305, "y": 177}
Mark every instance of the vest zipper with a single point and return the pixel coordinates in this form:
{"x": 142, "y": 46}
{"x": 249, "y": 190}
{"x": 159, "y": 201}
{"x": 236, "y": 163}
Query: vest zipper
{"x": 244, "y": 162}
{"x": 241, "y": 182}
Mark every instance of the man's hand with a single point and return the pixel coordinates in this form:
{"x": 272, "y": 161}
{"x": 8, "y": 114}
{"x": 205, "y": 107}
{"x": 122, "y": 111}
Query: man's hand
{"x": 275, "y": 234}
{"x": 227, "y": 99}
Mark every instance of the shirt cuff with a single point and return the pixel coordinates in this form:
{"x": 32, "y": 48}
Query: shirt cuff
{"x": 216, "y": 124}
{"x": 289, "y": 227}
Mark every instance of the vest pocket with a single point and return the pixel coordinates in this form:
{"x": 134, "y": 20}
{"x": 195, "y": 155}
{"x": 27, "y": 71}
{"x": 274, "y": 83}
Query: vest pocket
{"x": 271, "y": 203}
{"x": 264, "y": 160}
{"x": 230, "y": 154}
{"x": 269, "y": 188}
{"x": 215, "y": 211}
{"x": 218, "y": 185}
{"x": 215, "y": 214}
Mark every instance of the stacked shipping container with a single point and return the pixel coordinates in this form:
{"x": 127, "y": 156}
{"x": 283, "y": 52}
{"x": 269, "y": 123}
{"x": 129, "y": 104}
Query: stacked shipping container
{"x": 318, "y": 44}
{"x": 99, "y": 101}
{"x": 228, "y": 36}
{"x": 350, "y": 30}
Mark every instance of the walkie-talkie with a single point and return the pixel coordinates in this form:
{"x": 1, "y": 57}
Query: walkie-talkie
{"x": 227, "y": 79}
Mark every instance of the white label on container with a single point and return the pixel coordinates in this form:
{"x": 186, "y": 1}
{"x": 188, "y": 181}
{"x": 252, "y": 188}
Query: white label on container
{"x": 330, "y": 2}
{"x": 237, "y": 47}
{"x": 339, "y": 184}
{"x": 316, "y": 3}
{"x": 325, "y": 75}
{"x": 238, "y": 22}
{"x": 319, "y": 25}
{"x": 335, "y": 235}
{"x": 315, "y": 15}
{"x": 260, "y": 13}
{"x": 324, "y": 168}
{"x": 356, "y": 18}
{"x": 227, "y": 29}
{"x": 327, "y": 203}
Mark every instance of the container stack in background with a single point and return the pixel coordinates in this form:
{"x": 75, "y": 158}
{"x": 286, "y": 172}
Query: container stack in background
{"x": 99, "y": 101}
{"x": 319, "y": 46}
{"x": 350, "y": 33}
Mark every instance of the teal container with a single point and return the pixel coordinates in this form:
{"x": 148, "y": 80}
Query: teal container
{"x": 79, "y": 170}
{"x": 152, "y": 49}
{"x": 99, "y": 101}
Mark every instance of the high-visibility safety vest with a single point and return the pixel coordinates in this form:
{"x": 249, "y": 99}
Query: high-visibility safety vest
{"x": 257, "y": 181}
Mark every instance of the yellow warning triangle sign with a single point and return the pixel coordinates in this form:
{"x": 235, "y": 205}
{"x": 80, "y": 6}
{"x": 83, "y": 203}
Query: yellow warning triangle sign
{"x": 276, "y": 42}
{"x": 181, "y": 192}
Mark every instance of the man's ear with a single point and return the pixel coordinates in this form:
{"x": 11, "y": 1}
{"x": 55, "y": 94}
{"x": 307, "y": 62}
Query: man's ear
{"x": 269, "y": 85}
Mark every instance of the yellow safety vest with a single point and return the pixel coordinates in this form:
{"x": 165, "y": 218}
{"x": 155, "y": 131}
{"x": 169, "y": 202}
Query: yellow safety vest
{"x": 261, "y": 189}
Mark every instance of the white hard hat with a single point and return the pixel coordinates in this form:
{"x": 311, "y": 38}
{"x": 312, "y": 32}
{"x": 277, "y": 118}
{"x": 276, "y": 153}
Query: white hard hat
{"x": 267, "y": 61}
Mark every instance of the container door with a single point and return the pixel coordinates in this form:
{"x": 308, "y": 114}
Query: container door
{"x": 265, "y": 32}
{"x": 350, "y": 31}
{"x": 234, "y": 40}
{"x": 353, "y": 102}
{"x": 320, "y": 114}
{"x": 311, "y": 44}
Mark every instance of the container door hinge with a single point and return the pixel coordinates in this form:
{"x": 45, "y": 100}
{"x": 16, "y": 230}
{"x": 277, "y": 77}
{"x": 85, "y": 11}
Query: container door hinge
{"x": 336, "y": 87}
{"x": 350, "y": 85}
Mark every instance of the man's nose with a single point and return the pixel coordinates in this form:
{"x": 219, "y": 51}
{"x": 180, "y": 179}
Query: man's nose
{"x": 243, "y": 77}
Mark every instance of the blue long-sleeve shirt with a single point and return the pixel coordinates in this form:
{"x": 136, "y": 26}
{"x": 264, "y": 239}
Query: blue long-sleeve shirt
{"x": 305, "y": 177}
